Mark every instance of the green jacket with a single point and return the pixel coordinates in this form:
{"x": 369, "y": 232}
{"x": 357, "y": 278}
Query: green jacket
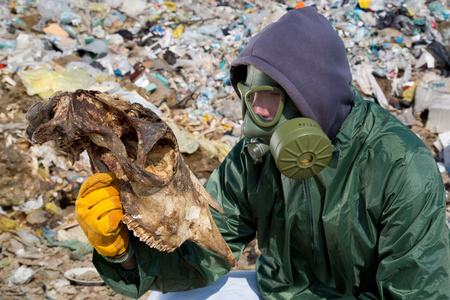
{"x": 371, "y": 225}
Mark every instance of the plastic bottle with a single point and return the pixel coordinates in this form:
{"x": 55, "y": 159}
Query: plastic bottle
{"x": 139, "y": 70}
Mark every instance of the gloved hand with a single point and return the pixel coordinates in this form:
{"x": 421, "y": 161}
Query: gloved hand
{"x": 100, "y": 214}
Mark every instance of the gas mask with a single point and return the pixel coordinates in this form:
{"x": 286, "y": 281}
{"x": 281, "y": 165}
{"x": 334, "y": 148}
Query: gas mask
{"x": 273, "y": 123}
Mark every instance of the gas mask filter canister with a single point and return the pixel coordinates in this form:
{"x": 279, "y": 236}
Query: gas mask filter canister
{"x": 300, "y": 148}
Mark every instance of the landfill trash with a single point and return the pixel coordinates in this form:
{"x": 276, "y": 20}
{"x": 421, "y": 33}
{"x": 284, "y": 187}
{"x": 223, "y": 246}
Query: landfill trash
{"x": 94, "y": 50}
{"x": 433, "y": 94}
{"x": 173, "y": 57}
{"x": 45, "y": 82}
{"x": 407, "y": 117}
{"x": 114, "y": 88}
{"x": 78, "y": 248}
{"x": 84, "y": 276}
{"x": 31, "y": 205}
{"x": 364, "y": 76}
{"x": 52, "y": 9}
{"x": 409, "y": 93}
{"x": 442, "y": 143}
{"x": 187, "y": 143}
{"x": 21, "y": 275}
{"x": 442, "y": 168}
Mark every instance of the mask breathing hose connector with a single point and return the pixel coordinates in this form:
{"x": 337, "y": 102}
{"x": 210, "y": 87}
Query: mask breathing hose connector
{"x": 257, "y": 149}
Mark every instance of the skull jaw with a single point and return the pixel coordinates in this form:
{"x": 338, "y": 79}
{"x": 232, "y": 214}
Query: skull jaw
{"x": 168, "y": 224}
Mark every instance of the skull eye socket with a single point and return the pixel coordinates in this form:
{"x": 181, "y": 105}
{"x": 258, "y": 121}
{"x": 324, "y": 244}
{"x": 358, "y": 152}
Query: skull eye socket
{"x": 162, "y": 159}
{"x": 130, "y": 141}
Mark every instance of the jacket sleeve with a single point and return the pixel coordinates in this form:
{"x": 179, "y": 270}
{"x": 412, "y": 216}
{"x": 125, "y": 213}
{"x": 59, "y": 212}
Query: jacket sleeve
{"x": 414, "y": 257}
{"x": 413, "y": 248}
{"x": 189, "y": 266}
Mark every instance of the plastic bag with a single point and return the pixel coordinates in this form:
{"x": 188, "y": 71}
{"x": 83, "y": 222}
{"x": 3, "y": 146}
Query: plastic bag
{"x": 443, "y": 145}
{"x": 408, "y": 93}
{"x": 114, "y": 88}
{"x": 368, "y": 84}
{"x": 7, "y": 224}
{"x": 417, "y": 7}
{"x": 52, "y": 9}
{"x": 21, "y": 275}
{"x": 178, "y": 32}
{"x": 45, "y": 82}
{"x": 377, "y": 5}
{"x": 207, "y": 147}
{"x": 134, "y": 10}
{"x": 186, "y": 143}
{"x": 224, "y": 149}
{"x": 78, "y": 248}
{"x": 433, "y": 94}
{"x": 441, "y": 56}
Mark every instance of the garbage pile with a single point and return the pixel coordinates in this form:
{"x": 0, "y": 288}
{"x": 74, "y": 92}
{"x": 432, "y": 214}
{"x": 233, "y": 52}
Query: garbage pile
{"x": 173, "y": 57}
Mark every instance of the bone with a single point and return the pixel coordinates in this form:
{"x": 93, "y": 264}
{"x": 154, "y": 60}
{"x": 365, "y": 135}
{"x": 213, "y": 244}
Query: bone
{"x": 164, "y": 203}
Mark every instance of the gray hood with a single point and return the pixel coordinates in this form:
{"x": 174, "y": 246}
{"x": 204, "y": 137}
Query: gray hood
{"x": 305, "y": 55}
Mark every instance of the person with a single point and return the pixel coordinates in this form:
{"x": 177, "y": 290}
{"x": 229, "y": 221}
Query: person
{"x": 345, "y": 201}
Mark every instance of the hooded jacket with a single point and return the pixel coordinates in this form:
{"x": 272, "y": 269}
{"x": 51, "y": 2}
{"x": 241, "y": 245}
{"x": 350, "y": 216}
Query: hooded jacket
{"x": 371, "y": 225}
{"x": 304, "y": 54}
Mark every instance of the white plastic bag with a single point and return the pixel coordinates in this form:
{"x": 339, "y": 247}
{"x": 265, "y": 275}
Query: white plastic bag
{"x": 368, "y": 84}
{"x": 21, "y": 275}
{"x": 433, "y": 94}
{"x": 52, "y": 9}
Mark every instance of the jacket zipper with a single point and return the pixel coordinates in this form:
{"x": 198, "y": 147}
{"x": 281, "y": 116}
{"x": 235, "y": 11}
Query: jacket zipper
{"x": 311, "y": 225}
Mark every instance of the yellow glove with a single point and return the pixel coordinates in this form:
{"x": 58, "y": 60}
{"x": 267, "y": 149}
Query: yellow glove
{"x": 100, "y": 214}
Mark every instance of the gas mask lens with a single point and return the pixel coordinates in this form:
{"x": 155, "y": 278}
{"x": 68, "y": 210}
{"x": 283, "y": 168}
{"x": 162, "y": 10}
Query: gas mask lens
{"x": 265, "y": 103}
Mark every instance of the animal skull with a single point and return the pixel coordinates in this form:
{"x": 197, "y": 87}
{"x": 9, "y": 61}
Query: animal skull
{"x": 164, "y": 203}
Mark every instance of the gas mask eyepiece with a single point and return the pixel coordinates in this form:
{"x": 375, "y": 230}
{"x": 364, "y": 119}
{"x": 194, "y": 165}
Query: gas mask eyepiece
{"x": 264, "y": 102}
